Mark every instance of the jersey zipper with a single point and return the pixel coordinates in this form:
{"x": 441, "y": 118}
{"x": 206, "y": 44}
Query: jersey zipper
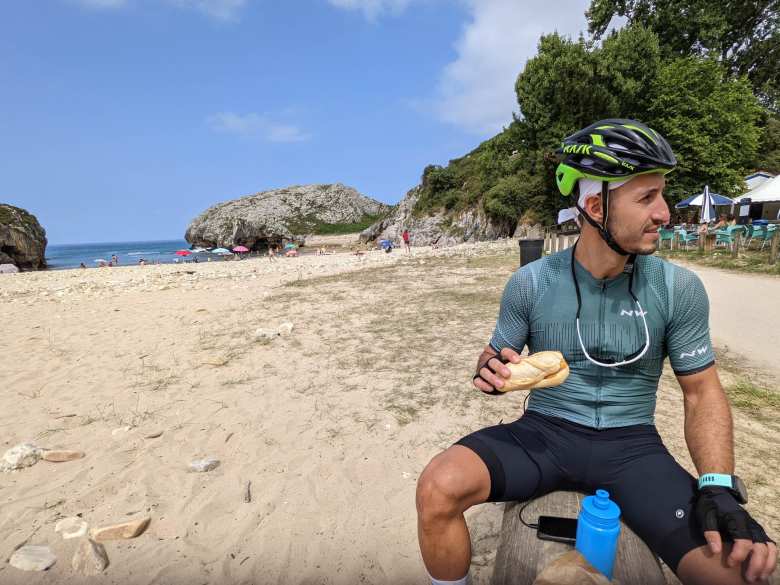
{"x": 602, "y": 334}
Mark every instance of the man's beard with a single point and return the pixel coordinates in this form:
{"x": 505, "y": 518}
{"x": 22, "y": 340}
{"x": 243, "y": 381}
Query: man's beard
{"x": 632, "y": 248}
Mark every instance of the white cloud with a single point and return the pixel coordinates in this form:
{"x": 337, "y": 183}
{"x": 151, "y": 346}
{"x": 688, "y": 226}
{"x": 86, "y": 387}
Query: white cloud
{"x": 476, "y": 90}
{"x": 372, "y": 8}
{"x": 256, "y": 125}
{"x": 226, "y": 10}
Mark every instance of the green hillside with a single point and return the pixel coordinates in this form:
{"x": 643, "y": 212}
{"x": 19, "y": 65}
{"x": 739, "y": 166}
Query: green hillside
{"x": 720, "y": 124}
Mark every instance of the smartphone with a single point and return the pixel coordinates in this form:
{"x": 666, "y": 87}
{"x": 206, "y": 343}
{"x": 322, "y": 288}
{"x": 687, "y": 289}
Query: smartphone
{"x": 557, "y": 529}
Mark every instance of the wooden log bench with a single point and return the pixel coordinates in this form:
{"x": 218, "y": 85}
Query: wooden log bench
{"x": 521, "y": 555}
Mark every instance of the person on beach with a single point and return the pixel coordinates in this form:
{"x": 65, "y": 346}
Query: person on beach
{"x": 405, "y": 236}
{"x": 114, "y": 260}
{"x": 271, "y": 253}
{"x": 616, "y": 312}
{"x": 82, "y": 265}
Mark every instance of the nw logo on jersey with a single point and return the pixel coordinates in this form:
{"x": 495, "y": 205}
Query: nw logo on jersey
{"x": 624, "y": 313}
{"x": 694, "y": 353}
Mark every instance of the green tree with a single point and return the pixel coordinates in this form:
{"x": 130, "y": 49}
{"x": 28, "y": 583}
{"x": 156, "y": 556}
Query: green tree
{"x": 510, "y": 197}
{"x": 768, "y": 157}
{"x": 569, "y": 84}
{"x": 558, "y": 89}
{"x": 742, "y": 34}
{"x": 711, "y": 122}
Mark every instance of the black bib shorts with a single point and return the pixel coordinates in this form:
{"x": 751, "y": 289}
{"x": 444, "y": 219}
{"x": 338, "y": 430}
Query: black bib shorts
{"x": 538, "y": 454}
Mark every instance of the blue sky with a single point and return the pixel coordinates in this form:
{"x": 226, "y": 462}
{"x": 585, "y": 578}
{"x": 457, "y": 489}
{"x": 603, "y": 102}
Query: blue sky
{"x": 123, "y": 119}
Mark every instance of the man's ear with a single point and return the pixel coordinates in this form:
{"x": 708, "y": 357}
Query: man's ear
{"x": 593, "y": 208}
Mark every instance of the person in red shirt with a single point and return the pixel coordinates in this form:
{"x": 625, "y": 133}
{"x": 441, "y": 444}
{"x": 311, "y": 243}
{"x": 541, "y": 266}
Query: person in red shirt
{"x": 405, "y": 237}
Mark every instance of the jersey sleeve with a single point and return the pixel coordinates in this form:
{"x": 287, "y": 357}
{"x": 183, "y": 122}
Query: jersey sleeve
{"x": 514, "y": 316}
{"x": 688, "y": 337}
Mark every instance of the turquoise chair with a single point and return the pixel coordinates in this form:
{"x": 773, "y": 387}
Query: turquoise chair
{"x": 769, "y": 233}
{"x": 728, "y": 235}
{"x": 666, "y": 236}
{"x": 757, "y": 233}
{"x": 687, "y": 238}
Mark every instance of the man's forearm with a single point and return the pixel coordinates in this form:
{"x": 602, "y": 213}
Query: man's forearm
{"x": 709, "y": 431}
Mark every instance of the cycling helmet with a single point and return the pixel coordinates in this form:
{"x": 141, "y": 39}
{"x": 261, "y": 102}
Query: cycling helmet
{"x": 607, "y": 151}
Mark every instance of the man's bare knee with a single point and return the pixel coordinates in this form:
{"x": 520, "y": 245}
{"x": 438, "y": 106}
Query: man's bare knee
{"x": 701, "y": 567}
{"x": 451, "y": 483}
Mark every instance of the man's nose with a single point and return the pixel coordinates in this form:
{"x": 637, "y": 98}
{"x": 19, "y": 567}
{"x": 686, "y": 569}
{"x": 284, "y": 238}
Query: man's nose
{"x": 660, "y": 214}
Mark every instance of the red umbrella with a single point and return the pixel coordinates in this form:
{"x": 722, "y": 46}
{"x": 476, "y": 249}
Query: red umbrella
{"x": 241, "y": 249}
{"x": 183, "y": 252}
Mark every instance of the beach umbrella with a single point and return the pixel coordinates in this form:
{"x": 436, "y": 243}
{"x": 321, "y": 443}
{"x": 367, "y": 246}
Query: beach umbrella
{"x": 289, "y": 246}
{"x": 696, "y": 200}
{"x": 98, "y": 260}
{"x": 220, "y": 251}
{"x": 241, "y": 249}
{"x": 183, "y": 252}
{"x": 198, "y": 250}
{"x": 707, "y": 209}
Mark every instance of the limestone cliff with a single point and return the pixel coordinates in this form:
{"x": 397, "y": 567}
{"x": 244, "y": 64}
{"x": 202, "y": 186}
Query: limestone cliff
{"x": 22, "y": 239}
{"x": 290, "y": 213}
{"x": 439, "y": 227}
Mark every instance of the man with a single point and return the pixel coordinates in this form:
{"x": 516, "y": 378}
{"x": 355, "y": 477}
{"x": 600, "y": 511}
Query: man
{"x": 615, "y": 311}
{"x": 405, "y": 237}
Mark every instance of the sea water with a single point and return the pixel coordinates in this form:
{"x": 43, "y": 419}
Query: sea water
{"x": 127, "y": 253}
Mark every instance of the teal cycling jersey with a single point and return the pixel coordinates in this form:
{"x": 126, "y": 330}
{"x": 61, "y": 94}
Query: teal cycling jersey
{"x": 538, "y": 310}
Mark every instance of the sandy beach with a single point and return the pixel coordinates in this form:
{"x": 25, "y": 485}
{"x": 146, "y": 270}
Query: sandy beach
{"x": 146, "y": 369}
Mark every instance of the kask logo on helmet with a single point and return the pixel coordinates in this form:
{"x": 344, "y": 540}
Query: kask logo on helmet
{"x": 577, "y": 149}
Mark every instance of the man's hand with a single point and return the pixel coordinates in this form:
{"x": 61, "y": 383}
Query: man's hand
{"x": 718, "y": 511}
{"x": 491, "y": 371}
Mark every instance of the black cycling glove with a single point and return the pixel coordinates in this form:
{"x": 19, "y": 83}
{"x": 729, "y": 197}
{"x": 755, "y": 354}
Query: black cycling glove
{"x": 717, "y": 509}
{"x": 494, "y": 392}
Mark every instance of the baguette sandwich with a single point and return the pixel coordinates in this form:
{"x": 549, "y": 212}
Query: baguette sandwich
{"x": 544, "y": 369}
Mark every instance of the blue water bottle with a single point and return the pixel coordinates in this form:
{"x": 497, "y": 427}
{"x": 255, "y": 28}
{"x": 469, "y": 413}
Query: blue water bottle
{"x": 598, "y": 528}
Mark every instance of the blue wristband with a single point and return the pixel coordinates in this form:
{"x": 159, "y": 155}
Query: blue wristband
{"x": 716, "y": 479}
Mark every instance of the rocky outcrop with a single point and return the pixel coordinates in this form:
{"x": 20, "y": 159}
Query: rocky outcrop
{"x": 442, "y": 228}
{"x": 22, "y": 239}
{"x": 256, "y": 220}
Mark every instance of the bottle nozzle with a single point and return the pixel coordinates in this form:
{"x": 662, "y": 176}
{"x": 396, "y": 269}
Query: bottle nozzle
{"x": 602, "y": 499}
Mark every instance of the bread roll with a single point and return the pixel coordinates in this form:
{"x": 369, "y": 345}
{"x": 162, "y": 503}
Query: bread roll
{"x": 540, "y": 370}
{"x": 554, "y": 379}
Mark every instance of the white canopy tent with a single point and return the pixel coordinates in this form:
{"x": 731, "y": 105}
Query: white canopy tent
{"x": 768, "y": 191}
{"x": 767, "y": 194}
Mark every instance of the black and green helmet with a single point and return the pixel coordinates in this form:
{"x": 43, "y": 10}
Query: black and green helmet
{"x": 612, "y": 150}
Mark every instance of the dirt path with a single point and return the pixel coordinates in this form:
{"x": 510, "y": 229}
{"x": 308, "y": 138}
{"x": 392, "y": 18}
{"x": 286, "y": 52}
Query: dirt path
{"x": 744, "y": 313}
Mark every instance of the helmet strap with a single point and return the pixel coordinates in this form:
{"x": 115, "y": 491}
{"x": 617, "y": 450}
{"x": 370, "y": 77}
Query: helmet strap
{"x": 602, "y": 229}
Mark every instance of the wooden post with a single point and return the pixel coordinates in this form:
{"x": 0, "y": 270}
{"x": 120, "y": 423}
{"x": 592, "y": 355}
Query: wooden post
{"x": 700, "y": 241}
{"x": 520, "y": 556}
{"x": 561, "y": 242}
{"x": 709, "y": 244}
{"x": 774, "y": 246}
{"x": 736, "y": 244}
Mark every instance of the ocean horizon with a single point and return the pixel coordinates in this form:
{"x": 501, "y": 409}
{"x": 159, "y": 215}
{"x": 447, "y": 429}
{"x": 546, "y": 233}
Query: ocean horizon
{"x": 60, "y": 256}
